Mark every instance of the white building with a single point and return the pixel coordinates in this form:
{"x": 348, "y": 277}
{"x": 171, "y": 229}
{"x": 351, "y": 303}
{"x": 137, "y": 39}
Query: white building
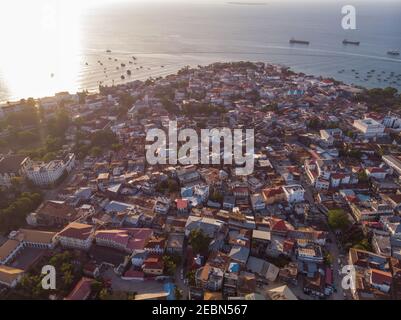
{"x": 391, "y": 121}
{"x": 294, "y": 193}
{"x": 162, "y": 205}
{"x": 369, "y": 128}
{"x": 10, "y": 276}
{"x": 76, "y": 236}
{"x": 10, "y": 167}
{"x": 24, "y": 238}
{"x": 45, "y": 174}
{"x": 393, "y": 162}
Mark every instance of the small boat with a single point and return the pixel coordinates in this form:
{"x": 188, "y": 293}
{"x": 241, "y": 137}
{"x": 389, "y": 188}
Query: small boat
{"x": 393, "y": 53}
{"x": 133, "y": 57}
{"x": 52, "y": 75}
{"x": 108, "y": 51}
{"x": 87, "y": 64}
{"x": 356, "y": 43}
{"x": 295, "y": 41}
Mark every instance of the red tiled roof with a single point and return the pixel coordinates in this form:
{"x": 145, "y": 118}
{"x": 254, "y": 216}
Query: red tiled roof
{"x": 279, "y": 225}
{"x": 329, "y": 276}
{"x": 376, "y": 170}
{"x": 338, "y": 176}
{"x": 240, "y": 190}
{"x": 77, "y": 230}
{"x": 381, "y": 277}
{"x": 271, "y": 192}
{"x": 182, "y": 203}
{"x": 288, "y": 245}
{"x": 153, "y": 243}
{"x": 133, "y": 238}
{"x": 133, "y": 274}
{"x": 118, "y": 236}
{"x": 153, "y": 262}
{"x": 81, "y": 291}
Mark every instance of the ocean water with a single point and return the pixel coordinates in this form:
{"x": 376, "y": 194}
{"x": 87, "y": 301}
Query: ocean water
{"x": 68, "y": 52}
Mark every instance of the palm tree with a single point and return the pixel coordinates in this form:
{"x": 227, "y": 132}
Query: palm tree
{"x": 68, "y": 278}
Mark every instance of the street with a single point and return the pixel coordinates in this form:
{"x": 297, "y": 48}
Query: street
{"x": 331, "y": 247}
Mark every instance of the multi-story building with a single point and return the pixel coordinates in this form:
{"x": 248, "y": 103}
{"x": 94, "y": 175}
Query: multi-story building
{"x": 369, "y": 128}
{"x": 391, "y": 121}
{"x": 24, "y": 238}
{"x": 10, "y": 276}
{"x": 10, "y": 166}
{"x": 310, "y": 253}
{"x": 127, "y": 240}
{"x": 393, "y": 162}
{"x": 46, "y": 174}
{"x": 209, "y": 277}
{"x": 294, "y": 193}
{"x": 76, "y": 236}
{"x": 52, "y": 213}
{"x": 273, "y": 195}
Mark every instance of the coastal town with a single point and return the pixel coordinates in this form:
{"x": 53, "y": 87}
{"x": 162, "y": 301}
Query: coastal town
{"x": 77, "y": 192}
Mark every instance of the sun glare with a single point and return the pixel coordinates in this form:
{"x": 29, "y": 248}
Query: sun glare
{"x": 43, "y": 46}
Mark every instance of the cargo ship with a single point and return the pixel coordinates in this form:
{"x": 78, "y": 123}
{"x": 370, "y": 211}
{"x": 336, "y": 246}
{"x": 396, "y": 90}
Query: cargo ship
{"x": 356, "y": 43}
{"x": 393, "y": 53}
{"x": 295, "y": 41}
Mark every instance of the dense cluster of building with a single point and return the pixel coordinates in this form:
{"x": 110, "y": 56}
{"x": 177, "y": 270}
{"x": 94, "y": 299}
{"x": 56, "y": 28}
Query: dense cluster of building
{"x": 269, "y": 234}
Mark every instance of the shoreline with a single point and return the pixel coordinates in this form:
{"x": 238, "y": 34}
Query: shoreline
{"x": 95, "y": 90}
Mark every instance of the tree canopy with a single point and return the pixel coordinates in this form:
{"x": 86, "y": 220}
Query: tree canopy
{"x": 199, "y": 241}
{"x": 338, "y": 219}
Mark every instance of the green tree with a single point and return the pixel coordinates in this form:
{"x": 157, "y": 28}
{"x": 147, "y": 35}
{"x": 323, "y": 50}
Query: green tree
{"x": 364, "y": 244}
{"x": 191, "y": 278}
{"x": 169, "y": 265}
{"x": 17, "y": 182}
{"x": 105, "y": 294}
{"x": 68, "y": 279}
{"x": 96, "y": 287}
{"x": 172, "y": 186}
{"x": 96, "y": 151}
{"x": 216, "y": 196}
{"x": 338, "y": 219}
{"x": 58, "y": 125}
{"x": 178, "y": 293}
{"x": 116, "y": 147}
{"x": 362, "y": 176}
{"x": 328, "y": 259}
{"x": 199, "y": 241}
{"x": 104, "y": 138}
